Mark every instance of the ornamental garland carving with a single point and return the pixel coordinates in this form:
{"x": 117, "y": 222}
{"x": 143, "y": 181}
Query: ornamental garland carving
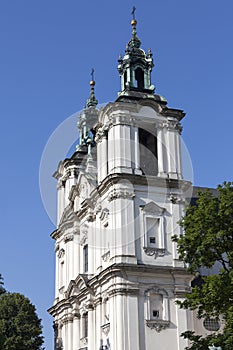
{"x": 68, "y": 238}
{"x": 175, "y": 198}
{"x": 172, "y": 125}
{"x": 157, "y": 325}
{"x": 156, "y": 252}
{"x": 120, "y": 194}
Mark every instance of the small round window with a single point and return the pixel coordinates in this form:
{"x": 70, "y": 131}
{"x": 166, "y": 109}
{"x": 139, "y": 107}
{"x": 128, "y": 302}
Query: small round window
{"x": 211, "y": 324}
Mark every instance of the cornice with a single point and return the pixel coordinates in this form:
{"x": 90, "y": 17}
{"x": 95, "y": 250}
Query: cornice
{"x": 113, "y": 179}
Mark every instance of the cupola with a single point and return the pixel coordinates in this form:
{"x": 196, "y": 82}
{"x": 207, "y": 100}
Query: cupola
{"x": 136, "y": 66}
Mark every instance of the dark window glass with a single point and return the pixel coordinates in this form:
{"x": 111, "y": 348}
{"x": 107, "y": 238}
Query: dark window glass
{"x": 139, "y": 77}
{"x": 85, "y": 254}
{"x": 148, "y": 152}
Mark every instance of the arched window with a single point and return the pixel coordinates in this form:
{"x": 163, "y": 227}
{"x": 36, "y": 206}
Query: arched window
{"x": 157, "y": 313}
{"x": 148, "y": 152}
{"x": 125, "y": 79}
{"x": 85, "y": 258}
{"x": 139, "y": 77}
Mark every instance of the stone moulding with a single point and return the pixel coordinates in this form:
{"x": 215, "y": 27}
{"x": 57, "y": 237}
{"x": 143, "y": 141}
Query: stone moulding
{"x": 157, "y": 325}
{"x": 156, "y": 252}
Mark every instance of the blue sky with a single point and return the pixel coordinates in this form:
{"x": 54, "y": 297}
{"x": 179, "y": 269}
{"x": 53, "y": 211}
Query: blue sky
{"x": 47, "y": 51}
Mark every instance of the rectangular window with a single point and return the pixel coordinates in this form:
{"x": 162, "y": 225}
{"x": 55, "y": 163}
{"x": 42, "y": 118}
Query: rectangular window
{"x": 156, "y": 313}
{"x": 152, "y": 240}
{"x": 62, "y": 274}
{"x": 152, "y": 227}
{"x": 156, "y": 306}
{"x": 85, "y": 258}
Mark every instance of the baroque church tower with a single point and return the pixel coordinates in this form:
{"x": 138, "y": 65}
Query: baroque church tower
{"x": 120, "y": 196}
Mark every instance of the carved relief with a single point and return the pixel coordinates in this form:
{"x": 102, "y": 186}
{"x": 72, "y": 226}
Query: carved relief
{"x": 68, "y": 238}
{"x": 56, "y": 247}
{"x": 83, "y": 240}
{"x": 157, "y": 325}
{"x": 106, "y": 256}
{"x": 173, "y": 125}
{"x": 61, "y": 253}
{"x": 156, "y": 252}
{"x": 120, "y": 194}
{"x": 104, "y": 216}
{"x": 175, "y": 198}
{"x": 84, "y": 233}
{"x": 106, "y": 328}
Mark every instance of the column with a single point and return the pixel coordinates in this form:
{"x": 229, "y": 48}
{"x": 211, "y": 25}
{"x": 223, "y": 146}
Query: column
{"x": 105, "y": 156}
{"x": 76, "y": 331}
{"x": 99, "y": 159}
{"x": 57, "y": 272}
{"x": 161, "y": 152}
{"x": 132, "y": 338}
{"x": 98, "y": 322}
{"x": 70, "y": 333}
{"x": 137, "y": 169}
{"x": 127, "y": 154}
{"x": 91, "y": 329}
{"x": 91, "y": 248}
{"x": 64, "y": 336}
{"x": 178, "y": 155}
{"x": 171, "y": 151}
{"x": 69, "y": 257}
{"x": 182, "y": 326}
{"x": 111, "y": 150}
{"x": 76, "y": 254}
{"x": 120, "y": 326}
{"x": 60, "y": 199}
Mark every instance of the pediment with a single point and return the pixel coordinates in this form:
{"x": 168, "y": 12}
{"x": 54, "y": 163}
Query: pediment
{"x": 60, "y": 170}
{"x": 68, "y": 217}
{"x": 72, "y": 289}
{"x": 152, "y": 208}
{"x": 75, "y": 287}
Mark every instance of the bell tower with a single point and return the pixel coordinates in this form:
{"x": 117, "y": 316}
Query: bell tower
{"x": 120, "y": 197}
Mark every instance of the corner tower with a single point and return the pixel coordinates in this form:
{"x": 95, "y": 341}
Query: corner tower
{"x": 121, "y": 196}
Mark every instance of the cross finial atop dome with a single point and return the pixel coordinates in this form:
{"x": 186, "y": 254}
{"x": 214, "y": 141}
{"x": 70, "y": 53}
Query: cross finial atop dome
{"x": 133, "y": 12}
{"x": 134, "y": 41}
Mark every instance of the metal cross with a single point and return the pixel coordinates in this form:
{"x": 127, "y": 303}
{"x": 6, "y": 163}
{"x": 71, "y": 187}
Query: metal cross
{"x": 133, "y": 12}
{"x": 92, "y": 74}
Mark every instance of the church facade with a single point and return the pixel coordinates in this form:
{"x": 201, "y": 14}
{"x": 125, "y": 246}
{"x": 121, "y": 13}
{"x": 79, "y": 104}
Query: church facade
{"x": 120, "y": 196}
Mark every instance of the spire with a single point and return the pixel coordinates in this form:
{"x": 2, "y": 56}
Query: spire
{"x": 136, "y": 66}
{"x": 92, "y": 101}
{"x": 134, "y": 41}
